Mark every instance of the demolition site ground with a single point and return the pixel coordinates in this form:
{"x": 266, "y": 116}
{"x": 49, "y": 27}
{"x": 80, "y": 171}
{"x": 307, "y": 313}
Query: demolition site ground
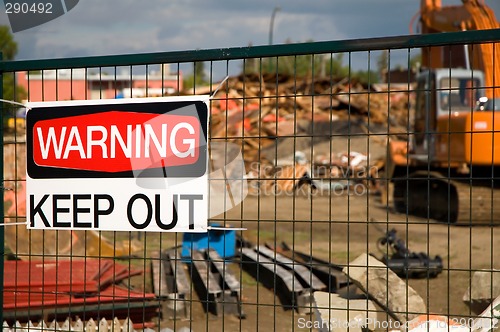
{"x": 338, "y": 226}
{"x": 343, "y": 228}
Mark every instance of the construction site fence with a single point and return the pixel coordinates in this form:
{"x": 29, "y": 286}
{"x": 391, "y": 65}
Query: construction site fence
{"x": 305, "y": 231}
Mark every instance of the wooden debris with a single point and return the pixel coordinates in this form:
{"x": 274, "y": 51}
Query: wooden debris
{"x": 256, "y": 111}
{"x": 288, "y": 178}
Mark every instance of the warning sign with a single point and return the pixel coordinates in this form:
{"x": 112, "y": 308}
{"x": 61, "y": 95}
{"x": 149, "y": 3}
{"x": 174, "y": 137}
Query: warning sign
{"x": 118, "y": 165}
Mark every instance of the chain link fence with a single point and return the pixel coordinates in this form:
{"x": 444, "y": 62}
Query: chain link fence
{"x": 350, "y": 187}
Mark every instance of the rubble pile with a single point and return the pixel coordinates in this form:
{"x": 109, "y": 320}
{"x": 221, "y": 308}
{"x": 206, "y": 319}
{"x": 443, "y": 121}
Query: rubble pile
{"x": 253, "y": 111}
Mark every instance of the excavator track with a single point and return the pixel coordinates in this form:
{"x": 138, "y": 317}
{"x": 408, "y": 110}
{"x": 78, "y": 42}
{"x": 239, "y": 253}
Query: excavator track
{"x": 434, "y": 196}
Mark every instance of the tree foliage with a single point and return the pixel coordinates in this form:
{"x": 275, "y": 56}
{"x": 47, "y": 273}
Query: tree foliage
{"x": 301, "y": 66}
{"x": 197, "y": 78}
{"x": 8, "y": 48}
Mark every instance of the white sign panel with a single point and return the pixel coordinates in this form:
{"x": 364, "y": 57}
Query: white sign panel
{"x": 118, "y": 165}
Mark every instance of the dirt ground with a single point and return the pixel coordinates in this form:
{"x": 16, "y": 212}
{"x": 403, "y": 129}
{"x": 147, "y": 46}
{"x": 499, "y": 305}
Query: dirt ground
{"x": 338, "y": 226}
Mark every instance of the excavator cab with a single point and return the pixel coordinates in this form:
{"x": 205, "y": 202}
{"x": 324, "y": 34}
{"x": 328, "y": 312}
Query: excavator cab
{"x": 442, "y": 94}
{"x": 446, "y": 170}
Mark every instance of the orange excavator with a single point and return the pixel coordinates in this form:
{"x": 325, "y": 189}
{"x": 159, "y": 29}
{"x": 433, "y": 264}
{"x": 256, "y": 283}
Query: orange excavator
{"x": 449, "y": 169}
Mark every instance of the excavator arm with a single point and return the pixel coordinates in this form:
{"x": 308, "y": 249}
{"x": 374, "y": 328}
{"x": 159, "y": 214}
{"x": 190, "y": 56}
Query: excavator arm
{"x": 471, "y": 15}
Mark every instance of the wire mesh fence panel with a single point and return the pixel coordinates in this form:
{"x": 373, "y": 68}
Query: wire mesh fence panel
{"x": 347, "y": 185}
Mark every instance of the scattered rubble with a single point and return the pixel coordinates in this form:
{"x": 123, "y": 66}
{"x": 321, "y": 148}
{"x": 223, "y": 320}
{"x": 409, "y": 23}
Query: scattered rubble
{"x": 334, "y": 313}
{"x": 257, "y": 114}
{"x": 254, "y": 112}
{"x": 374, "y": 277}
{"x": 287, "y": 179}
{"x": 483, "y": 288}
{"x": 489, "y": 319}
{"x": 335, "y": 173}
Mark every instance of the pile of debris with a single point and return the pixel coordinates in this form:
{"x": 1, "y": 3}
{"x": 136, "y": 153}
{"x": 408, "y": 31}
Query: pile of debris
{"x": 253, "y": 111}
{"x": 407, "y": 310}
{"x": 54, "y": 289}
{"x": 352, "y": 172}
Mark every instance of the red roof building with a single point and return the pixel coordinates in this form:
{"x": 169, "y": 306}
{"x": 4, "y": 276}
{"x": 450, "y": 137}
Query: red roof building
{"x": 81, "y": 84}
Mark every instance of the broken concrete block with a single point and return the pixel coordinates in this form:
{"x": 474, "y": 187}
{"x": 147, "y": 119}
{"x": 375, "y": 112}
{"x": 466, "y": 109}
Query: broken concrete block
{"x": 489, "y": 319}
{"x": 484, "y": 287}
{"x": 334, "y": 313}
{"x": 389, "y": 291}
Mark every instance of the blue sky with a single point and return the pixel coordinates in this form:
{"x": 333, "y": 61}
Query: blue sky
{"x": 101, "y": 27}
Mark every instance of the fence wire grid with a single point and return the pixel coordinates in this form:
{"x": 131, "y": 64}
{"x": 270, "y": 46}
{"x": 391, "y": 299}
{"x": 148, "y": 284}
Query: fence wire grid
{"x": 350, "y": 187}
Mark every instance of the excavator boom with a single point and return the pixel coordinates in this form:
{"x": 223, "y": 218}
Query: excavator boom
{"x": 471, "y": 15}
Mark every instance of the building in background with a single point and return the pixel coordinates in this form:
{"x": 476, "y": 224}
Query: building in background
{"x": 81, "y": 84}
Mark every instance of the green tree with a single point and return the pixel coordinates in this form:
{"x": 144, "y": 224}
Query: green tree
{"x": 8, "y": 48}
{"x": 301, "y": 65}
{"x": 309, "y": 65}
{"x": 366, "y": 77}
{"x": 335, "y": 66}
{"x": 199, "y": 76}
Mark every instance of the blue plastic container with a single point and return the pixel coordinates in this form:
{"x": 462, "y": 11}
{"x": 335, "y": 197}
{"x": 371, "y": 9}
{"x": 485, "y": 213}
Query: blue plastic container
{"x": 223, "y": 241}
